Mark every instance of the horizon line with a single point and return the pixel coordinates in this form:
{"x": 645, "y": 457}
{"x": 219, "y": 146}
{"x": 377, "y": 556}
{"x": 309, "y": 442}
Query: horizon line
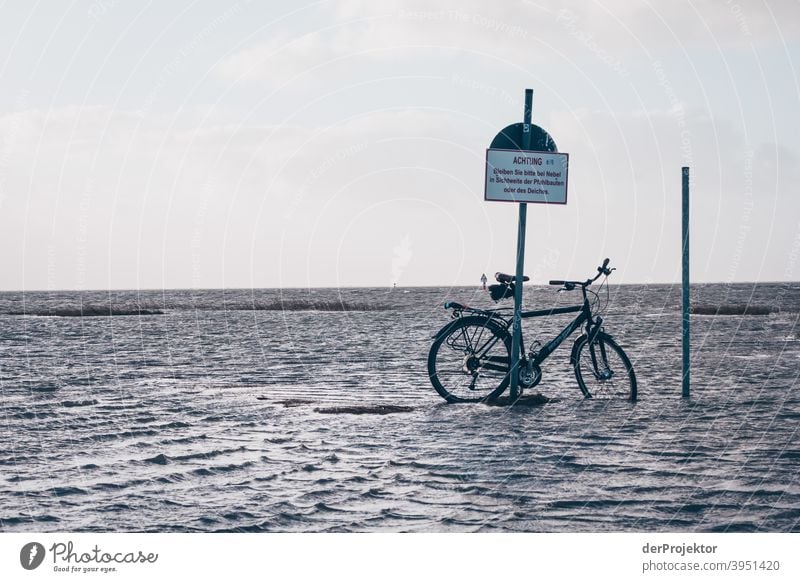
{"x": 389, "y": 287}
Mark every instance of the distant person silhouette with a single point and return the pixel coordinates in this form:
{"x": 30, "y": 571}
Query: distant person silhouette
{"x": 483, "y": 281}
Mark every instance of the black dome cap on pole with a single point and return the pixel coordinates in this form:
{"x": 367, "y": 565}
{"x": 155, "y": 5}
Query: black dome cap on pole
{"x": 510, "y": 138}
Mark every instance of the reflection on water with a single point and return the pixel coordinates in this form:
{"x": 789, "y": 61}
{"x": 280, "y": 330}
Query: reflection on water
{"x": 203, "y": 418}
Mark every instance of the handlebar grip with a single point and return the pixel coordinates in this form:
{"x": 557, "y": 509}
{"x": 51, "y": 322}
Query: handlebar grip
{"x": 556, "y": 282}
{"x": 603, "y": 270}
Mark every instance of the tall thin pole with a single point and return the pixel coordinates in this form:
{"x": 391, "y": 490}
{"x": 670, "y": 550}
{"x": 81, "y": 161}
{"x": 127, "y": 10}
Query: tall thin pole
{"x": 523, "y": 213}
{"x": 685, "y": 272}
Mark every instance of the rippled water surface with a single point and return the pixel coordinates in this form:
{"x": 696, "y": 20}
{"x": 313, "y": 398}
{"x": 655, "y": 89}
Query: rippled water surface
{"x": 205, "y": 418}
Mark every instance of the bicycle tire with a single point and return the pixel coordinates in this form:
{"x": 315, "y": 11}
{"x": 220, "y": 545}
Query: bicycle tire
{"x": 603, "y": 369}
{"x": 461, "y": 373}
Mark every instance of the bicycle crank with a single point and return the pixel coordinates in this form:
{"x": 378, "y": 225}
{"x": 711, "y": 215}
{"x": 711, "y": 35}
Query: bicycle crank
{"x": 530, "y": 375}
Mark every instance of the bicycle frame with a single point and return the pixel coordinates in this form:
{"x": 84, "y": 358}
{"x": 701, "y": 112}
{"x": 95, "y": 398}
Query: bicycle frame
{"x": 584, "y": 316}
{"x": 547, "y": 349}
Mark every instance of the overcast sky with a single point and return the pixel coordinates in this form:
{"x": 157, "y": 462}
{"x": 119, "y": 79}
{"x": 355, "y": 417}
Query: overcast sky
{"x": 340, "y": 143}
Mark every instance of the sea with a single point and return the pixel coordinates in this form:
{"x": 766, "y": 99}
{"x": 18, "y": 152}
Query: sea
{"x": 199, "y": 413}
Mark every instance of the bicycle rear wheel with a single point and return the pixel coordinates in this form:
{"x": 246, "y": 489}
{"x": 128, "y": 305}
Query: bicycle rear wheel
{"x": 469, "y": 360}
{"x": 603, "y": 370}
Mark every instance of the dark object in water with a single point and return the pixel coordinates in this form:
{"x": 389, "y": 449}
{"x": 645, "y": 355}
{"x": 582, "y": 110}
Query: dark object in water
{"x": 87, "y": 311}
{"x": 525, "y": 400}
{"x": 307, "y": 305}
{"x": 74, "y": 403}
{"x": 160, "y": 459}
{"x": 376, "y": 409}
{"x": 289, "y": 403}
{"x": 731, "y": 309}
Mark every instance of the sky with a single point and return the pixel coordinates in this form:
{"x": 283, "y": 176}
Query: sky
{"x": 149, "y": 145}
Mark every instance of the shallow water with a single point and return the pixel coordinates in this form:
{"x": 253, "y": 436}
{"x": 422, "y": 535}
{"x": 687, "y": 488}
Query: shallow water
{"x": 177, "y": 422}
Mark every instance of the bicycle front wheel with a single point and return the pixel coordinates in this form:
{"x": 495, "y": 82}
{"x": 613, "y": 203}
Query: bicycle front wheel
{"x": 469, "y": 360}
{"x": 603, "y": 370}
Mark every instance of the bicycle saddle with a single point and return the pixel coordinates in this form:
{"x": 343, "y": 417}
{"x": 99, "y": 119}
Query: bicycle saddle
{"x": 503, "y": 278}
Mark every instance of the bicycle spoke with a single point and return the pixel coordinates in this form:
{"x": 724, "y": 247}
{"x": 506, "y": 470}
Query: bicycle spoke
{"x": 472, "y": 362}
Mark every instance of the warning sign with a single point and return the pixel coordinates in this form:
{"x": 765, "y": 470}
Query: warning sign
{"x": 525, "y": 176}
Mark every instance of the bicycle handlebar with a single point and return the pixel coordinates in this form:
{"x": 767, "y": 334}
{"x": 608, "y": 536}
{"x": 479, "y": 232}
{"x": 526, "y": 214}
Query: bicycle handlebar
{"x": 570, "y": 285}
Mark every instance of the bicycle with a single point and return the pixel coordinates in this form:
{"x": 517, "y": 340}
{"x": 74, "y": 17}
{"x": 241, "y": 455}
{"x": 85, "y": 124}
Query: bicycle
{"x": 470, "y": 359}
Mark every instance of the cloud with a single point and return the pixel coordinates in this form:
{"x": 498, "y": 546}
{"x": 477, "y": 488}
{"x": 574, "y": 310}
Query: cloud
{"x": 199, "y": 178}
{"x": 109, "y": 198}
{"x": 279, "y": 59}
{"x": 525, "y": 33}
{"x": 97, "y": 197}
{"x": 625, "y": 185}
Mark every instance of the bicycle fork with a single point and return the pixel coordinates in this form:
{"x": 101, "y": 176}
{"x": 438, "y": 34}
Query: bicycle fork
{"x": 600, "y": 369}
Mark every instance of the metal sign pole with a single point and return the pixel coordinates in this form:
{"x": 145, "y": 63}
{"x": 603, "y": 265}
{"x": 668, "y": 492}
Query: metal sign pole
{"x": 685, "y": 274}
{"x": 523, "y": 211}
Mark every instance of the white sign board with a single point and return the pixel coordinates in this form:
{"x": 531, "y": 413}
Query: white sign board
{"x": 524, "y": 176}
